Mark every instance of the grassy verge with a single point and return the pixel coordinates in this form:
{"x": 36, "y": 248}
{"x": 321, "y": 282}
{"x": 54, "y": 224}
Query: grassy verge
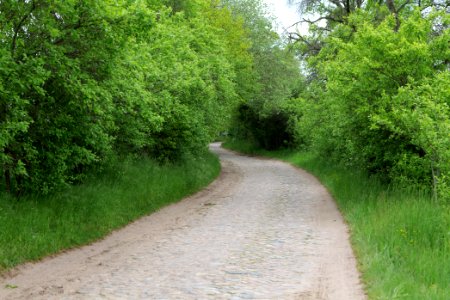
{"x": 401, "y": 236}
{"x": 36, "y": 226}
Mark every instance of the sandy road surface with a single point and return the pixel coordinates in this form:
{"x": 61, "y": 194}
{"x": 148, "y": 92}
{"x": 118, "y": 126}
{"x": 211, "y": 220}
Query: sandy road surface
{"x": 263, "y": 230}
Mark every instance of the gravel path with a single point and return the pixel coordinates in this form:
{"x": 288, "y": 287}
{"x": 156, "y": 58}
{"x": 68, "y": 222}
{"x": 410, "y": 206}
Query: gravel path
{"x": 263, "y": 230}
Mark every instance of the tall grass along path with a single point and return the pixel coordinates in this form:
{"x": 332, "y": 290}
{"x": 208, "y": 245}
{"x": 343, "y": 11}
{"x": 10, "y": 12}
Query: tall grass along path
{"x": 263, "y": 230}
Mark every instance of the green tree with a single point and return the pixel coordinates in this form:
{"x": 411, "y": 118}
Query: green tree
{"x": 376, "y": 108}
{"x": 263, "y": 116}
{"x": 65, "y": 46}
{"x": 82, "y": 81}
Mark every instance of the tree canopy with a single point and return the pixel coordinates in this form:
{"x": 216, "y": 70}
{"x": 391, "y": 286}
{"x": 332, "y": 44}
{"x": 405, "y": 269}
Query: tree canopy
{"x": 82, "y": 82}
{"x": 378, "y": 91}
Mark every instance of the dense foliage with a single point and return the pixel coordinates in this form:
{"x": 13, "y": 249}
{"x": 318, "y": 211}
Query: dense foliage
{"x": 378, "y": 93}
{"x": 264, "y": 115}
{"x": 82, "y": 82}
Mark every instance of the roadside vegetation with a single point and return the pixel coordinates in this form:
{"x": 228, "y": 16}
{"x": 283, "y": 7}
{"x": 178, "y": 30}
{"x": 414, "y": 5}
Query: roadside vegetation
{"x": 401, "y": 237}
{"x": 107, "y": 109}
{"x": 370, "y": 117}
{"x": 84, "y": 81}
{"x": 39, "y": 225}
{"x": 99, "y": 95}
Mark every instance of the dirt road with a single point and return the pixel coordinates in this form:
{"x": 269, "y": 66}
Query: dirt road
{"x": 263, "y": 230}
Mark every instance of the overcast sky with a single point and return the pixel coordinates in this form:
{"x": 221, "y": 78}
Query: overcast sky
{"x": 286, "y": 15}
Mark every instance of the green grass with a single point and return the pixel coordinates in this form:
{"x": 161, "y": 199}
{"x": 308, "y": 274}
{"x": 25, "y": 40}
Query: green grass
{"x": 401, "y": 237}
{"x": 34, "y": 227}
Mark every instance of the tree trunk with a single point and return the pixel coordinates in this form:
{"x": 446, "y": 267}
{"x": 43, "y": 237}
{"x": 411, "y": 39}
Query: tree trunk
{"x": 391, "y": 6}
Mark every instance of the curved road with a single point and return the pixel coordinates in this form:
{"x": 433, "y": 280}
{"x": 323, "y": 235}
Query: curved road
{"x": 263, "y": 230}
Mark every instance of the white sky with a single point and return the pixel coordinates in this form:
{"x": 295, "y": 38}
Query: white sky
{"x": 286, "y": 15}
